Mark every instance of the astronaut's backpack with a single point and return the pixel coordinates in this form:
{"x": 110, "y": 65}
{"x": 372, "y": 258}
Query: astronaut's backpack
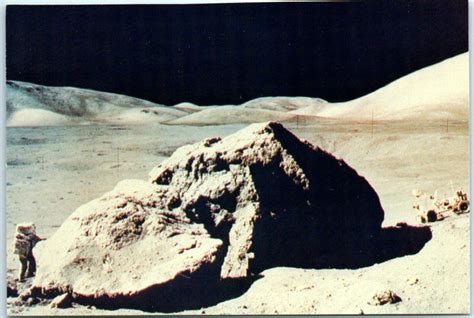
{"x": 21, "y": 247}
{"x": 24, "y": 235}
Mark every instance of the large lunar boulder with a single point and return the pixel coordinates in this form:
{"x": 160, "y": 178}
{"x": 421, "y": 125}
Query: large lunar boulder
{"x": 213, "y": 212}
{"x": 272, "y": 198}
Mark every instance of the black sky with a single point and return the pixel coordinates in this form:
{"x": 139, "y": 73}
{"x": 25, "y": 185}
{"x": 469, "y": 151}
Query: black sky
{"x": 231, "y": 53}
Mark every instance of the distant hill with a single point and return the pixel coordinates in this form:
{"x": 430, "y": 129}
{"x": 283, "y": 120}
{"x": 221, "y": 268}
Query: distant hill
{"x": 36, "y": 105}
{"x": 256, "y": 110}
{"x": 440, "y": 91}
{"x": 230, "y": 115}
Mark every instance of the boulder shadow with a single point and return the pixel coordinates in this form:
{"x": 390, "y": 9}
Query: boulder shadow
{"x": 353, "y": 253}
{"x": 393, "y": 242}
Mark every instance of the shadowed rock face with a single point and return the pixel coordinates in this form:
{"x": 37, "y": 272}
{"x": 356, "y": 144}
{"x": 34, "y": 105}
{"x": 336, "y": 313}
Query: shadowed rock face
{"x": 215, "y": 212}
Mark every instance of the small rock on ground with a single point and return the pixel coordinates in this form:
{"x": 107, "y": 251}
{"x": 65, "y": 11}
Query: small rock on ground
{"x": 385, "y": 297}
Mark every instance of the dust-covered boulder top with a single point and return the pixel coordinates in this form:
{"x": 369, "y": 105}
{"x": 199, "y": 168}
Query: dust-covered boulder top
{"x": 215, "y": 211}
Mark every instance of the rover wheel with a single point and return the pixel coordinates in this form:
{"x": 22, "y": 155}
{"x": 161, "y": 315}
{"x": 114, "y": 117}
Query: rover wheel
{"x": 463, "y": 206}
{"x": 431, "y": 216}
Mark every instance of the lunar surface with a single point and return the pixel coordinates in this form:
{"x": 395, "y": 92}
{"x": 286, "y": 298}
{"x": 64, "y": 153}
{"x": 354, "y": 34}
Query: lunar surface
{"x": 69, "y": 146}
